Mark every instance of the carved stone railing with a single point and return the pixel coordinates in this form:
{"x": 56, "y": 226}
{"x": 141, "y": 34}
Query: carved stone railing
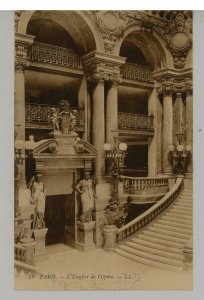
{"x": 135, "y": 121}
{"x": 136, "y": 72}
{"x": 137, "y": 185}
{"x": 40, "y": 52}
{"x": 132, "y": 227}
{"x": 21, "y": 261}
{"x": 39, "y": 113}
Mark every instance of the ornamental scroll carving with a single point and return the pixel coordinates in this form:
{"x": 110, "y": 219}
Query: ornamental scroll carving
{"x": 175, "y": 27}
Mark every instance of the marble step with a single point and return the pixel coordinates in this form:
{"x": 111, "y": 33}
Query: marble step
{"x": 159, "y": 241}
{"x": 178, "y": 215}
{"x": 153, "y": 250}
{"x": 155, "y": 245}
{"x": 180, "y": 211}
{"x": 163, "y": 236}
{"x": 177, "y": 220}
{"x": 148, "y": 262}
{"x": 171, "y": 225}
{"x": 170, "y": 232}
{"x": 152, "y": 257}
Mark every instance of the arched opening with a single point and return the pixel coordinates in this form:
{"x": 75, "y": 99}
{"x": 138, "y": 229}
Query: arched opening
{"x": 49, "y": 32}
{"x": 55, "y": 72}
{"x": 144, "y": 55}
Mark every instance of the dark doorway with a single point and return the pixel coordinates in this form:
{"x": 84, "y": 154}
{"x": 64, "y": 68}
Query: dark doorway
{"x": 55, "y": 219}
{"x": 60, "y": 219}
{"x": 136, "y": 160}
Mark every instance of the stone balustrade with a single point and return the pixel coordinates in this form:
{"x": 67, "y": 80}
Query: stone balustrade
{"x": 139, "y": 185}
{"x": 139, "y": 222}
{"x": 136, "y": 72}
{"x": 135, "y": 121}
{"x": 45, "y": 53}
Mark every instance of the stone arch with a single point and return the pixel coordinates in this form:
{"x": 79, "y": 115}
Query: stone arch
{"x": 76, "y": 23}
{"x": 149, "y": 45}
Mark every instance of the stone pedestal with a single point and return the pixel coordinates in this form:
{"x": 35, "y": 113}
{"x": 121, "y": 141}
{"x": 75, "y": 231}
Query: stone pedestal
{"x": 110, "y": 232}
{"x": 29, "y": 246}
{"x": 40, "y": 235}
{"x": 85, "y": 236}
{"x": 66, "y": 142}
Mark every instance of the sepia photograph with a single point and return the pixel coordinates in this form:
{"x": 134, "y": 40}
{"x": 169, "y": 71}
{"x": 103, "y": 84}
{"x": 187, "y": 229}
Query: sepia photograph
{"x": 103, "y": 150}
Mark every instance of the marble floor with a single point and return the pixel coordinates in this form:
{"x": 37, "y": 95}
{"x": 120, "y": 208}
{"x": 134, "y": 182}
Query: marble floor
{"x": 70, "y": 269}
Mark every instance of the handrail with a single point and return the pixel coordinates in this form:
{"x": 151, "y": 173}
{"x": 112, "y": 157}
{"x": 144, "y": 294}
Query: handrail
{"x": 150, "y": 214}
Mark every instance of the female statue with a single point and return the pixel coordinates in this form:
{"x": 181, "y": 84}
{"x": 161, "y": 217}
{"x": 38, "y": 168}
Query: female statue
{"x": 38, "y": 194}
{"x": 86, "y": 190}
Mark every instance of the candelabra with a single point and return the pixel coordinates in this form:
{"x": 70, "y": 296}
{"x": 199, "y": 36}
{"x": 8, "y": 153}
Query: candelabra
{"x": 179, "y": 156}
{"x": 115, "y": 154}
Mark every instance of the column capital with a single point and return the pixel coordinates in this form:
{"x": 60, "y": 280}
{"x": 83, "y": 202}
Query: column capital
{"x": 22, "y": 44}
{"x": 166, "y": 87}
{"x": 97, "y": 77}
{"x": 103, "y": 66}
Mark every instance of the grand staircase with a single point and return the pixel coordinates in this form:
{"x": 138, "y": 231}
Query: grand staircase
{"x": 160, "y": 244}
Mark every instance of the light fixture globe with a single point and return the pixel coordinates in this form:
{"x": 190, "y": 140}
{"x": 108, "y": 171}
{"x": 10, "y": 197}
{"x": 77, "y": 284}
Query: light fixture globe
{"x": 188, "y": 148}
{"x": 107, "y": 147}
{"x": 123, "y": 146}
{"x": 171, "y": 148}
{"x": 19, "y": 144}
{"x": 180, "y": 148}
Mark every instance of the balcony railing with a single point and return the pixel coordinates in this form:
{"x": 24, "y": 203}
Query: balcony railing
{"x": 137, "y": 72}
{"x": 134, "y": 121}
{"x": 39, "y": 113}
{"x": 40, "y": 52}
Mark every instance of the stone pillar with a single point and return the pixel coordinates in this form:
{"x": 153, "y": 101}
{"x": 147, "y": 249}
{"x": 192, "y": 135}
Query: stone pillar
{"x": 189, "y": 126}
{"x": 22, "y": 42}
{"x": 167, "y": 135}
{"x": 152, "y": 142}
{"x": 180, "y": 113}
{"x": 111, "y": 111}
{"x": 98, "y": 130}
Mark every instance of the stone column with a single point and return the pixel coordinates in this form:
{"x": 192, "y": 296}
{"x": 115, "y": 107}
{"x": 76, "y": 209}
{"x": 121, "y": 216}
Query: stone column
{"x": 167, "y": 135}
{"x": 98, "y": 130}
{"x": 111, "y": 110}
{"x": 180, "y": 113}
{"x": 22, "y": 42}
{"x": 189, "y": 125}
